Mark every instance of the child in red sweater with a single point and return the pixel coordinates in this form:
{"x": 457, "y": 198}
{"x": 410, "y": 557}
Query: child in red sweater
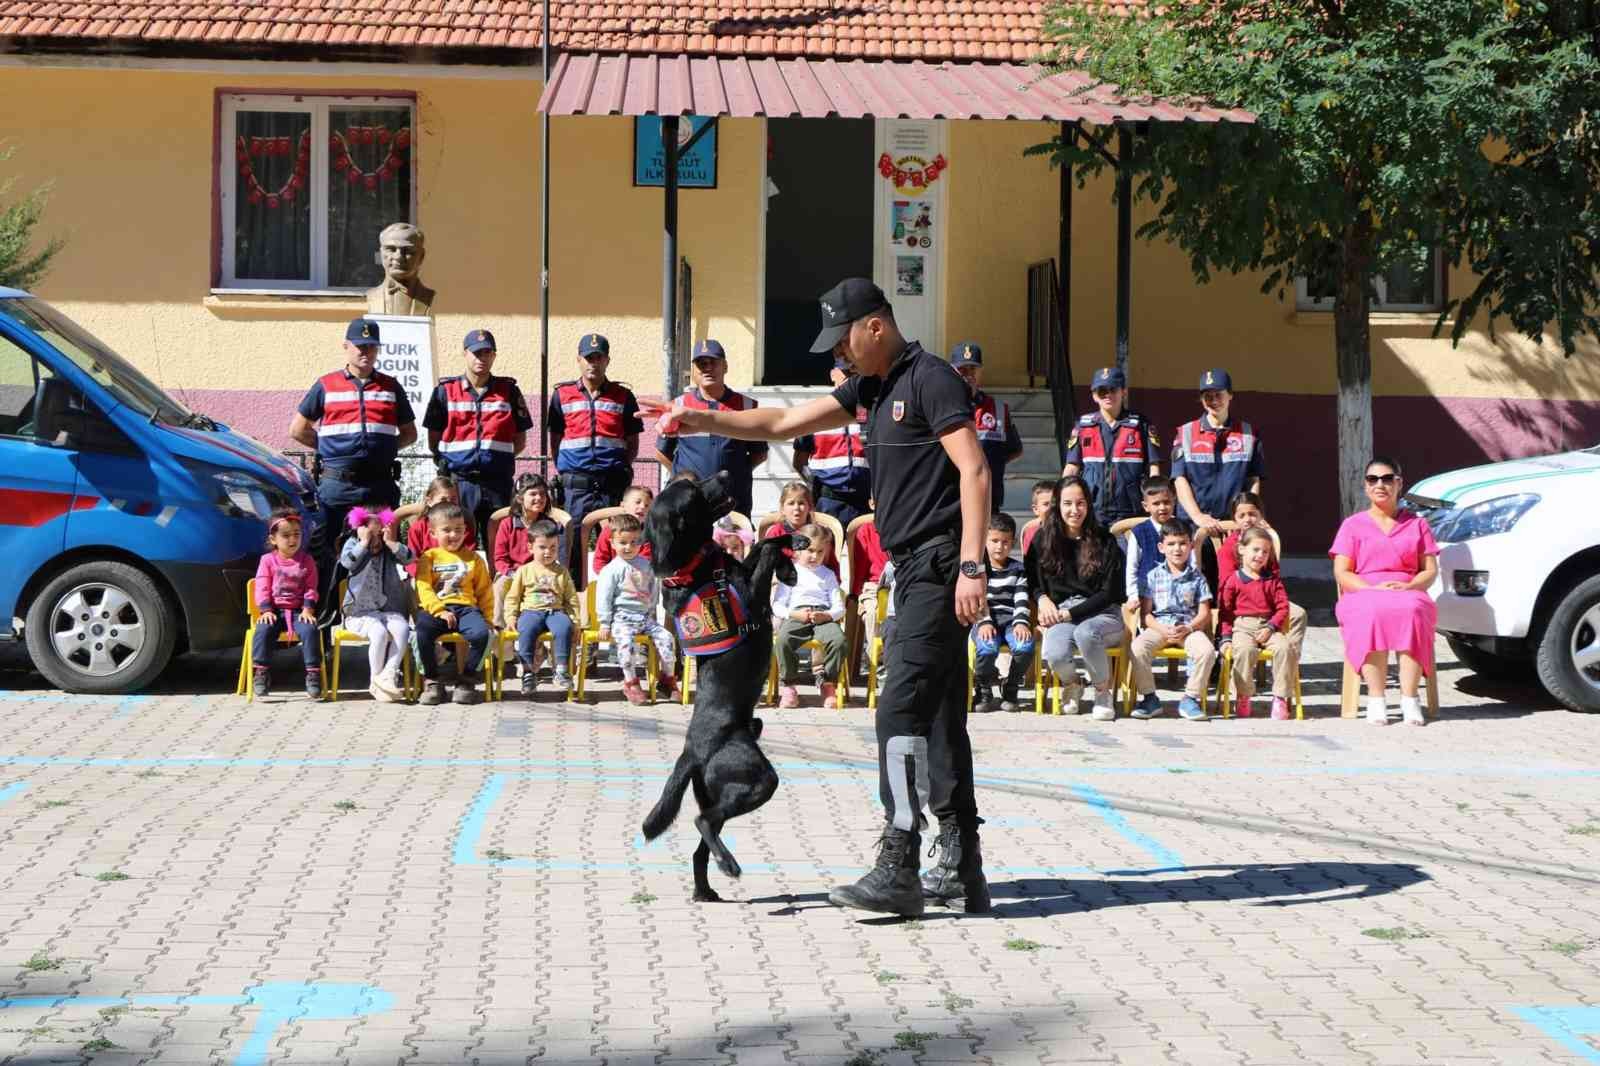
{"x": 1255, "y": 614}
{"x": 419, "y": 538}
{"x": 636, "y": 501}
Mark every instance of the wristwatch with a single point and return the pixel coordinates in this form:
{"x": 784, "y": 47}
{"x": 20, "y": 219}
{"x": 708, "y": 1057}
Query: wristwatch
{"x": 971, "y": 569}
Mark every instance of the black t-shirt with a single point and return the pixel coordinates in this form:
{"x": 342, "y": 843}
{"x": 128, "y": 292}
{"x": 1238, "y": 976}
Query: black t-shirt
{"x": 916, "y": 486}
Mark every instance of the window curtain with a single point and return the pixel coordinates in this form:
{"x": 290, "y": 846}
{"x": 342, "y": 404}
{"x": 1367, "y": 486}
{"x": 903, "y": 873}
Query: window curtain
{"x": 369, "y": 187}
{"x": 272, "y": 208}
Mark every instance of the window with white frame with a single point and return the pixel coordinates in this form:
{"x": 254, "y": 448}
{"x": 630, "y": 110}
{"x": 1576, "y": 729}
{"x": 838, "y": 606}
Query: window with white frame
{"x": 307, "y": 183}
{"x": 1402, "y": 287}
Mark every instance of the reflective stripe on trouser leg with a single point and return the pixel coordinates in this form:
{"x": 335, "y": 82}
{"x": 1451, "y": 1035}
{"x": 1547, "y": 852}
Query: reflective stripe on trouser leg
{"x": 906, "y": 763}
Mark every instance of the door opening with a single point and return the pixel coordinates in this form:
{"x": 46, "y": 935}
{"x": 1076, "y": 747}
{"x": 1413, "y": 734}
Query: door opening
{"x": 819, "y": 231}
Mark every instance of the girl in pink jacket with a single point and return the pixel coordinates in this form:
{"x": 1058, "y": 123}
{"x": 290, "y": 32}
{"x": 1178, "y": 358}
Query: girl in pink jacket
{"x": 286, "y": 595}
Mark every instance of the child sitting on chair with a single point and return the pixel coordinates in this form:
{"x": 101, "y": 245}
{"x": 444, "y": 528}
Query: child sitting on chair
{"x": 543, "y": 599}
{"x": 626, "y": 596}
{"x": 810, "y": 609}
{"x": 1255, "y": 613}
{"x": 1007, "y": 620}
{"x": 1176, "y": 608}
{"x": 456, "y": 595}
{"x": 377, "y": 604}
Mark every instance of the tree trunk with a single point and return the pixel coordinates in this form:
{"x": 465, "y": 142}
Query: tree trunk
{"x": 1352, "y": 342}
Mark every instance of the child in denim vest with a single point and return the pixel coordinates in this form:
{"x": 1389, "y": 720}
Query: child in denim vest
{"x": 1176, "y": 608}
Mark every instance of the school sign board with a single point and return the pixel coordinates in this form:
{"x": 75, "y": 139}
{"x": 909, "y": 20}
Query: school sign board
{"x": 697, "y": 168}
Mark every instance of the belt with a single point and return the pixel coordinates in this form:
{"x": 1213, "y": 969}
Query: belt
{"x": 356, "y": 475}
{"x": 844, "y": 495}
{"x": 923, "y": 542}
{"x": 581, "y": 477}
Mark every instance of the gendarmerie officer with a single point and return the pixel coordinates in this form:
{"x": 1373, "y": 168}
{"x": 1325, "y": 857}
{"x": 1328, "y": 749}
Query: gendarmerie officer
{"x": 477, "y": 424}
{"x": 594, "y": 432}
{"x": 704, "y": 454}
{"x": 932, "y": 489}
{"x": 358, "y": 419}
{"x": 834, "y": 461}
{"x": 1113, "y": 449}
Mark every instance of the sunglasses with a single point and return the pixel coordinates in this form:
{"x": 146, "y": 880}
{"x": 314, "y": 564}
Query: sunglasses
{"x": 1382, "y": 479}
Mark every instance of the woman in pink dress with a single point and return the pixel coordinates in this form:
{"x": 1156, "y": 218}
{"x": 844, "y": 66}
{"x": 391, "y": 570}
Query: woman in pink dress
{"x": 1384, "y": 559}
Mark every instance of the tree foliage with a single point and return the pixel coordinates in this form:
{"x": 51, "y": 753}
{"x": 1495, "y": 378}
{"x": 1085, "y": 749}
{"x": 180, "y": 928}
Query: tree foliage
{"x": 1383, "y": 127}
{"x": 21, "y": 267}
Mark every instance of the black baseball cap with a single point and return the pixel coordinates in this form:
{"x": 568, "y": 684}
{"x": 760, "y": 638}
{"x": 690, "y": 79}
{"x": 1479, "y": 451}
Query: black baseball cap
{"x": 847, "y": 301}
{"x": 593, "y": 344}
{"x": 479, "y": 340}
{"x": 362, "y": 332}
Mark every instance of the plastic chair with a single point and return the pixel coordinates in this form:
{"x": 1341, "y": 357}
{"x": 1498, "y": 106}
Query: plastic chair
{"x": 343, "y": 637}
{"x": 555, "y": 514}
{"x": 498, "y": 641}
{"x": 287, "y": 638}
{"x": 875, "y": 652}
{"x": 1044, "y": 677}
{"x": 1350, "y": 685}
{"x": 841, "y": 547}
{"x": 815, "y": 647}
{"x": 972, "y": 674}
{"x": 589, "y": 636}
{"x": 853, "y": 628}
{"x": 1225, "y": 682}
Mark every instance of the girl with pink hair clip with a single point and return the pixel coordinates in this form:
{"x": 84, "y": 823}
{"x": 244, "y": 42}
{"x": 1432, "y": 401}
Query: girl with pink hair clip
{"x": 377, "y": 602}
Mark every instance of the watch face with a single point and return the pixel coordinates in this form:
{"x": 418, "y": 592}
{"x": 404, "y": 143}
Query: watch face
{"x": 971, "y": 569}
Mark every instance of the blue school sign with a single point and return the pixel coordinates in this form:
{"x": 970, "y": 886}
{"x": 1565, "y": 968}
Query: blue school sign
{"x": 697, "y": 169}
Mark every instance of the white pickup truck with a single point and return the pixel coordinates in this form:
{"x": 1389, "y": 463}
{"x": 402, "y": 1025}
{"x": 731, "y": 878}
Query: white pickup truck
{"x": 1519, "y": 569}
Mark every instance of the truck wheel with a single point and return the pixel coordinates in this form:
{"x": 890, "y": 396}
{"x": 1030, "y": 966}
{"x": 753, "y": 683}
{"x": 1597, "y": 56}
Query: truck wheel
{"x": 1569, "y": 653}
{"x": 1488, "y": 664}
{"x": 101, "y": 628}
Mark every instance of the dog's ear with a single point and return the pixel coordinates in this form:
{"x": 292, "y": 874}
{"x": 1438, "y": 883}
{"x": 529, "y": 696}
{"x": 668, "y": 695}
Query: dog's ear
{"x": 785, "y": 571}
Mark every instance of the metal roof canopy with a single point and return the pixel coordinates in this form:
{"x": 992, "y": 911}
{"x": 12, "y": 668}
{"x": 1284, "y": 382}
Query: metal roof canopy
{"x": 679, "y": 85}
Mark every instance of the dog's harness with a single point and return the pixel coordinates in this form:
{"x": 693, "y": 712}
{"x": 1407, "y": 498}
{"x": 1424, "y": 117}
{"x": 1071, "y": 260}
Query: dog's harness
{"x": 713, "y": 619}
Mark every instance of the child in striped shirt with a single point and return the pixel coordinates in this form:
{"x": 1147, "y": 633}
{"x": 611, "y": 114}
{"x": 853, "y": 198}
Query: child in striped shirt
{"x": 1006, "y": 621}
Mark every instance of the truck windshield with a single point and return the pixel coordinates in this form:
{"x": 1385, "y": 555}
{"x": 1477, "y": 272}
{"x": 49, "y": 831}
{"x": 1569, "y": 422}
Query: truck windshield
{"x": 115, "y": 373}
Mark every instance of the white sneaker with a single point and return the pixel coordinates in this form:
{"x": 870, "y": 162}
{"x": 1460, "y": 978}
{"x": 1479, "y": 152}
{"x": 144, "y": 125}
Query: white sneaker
{"x": 1411, "y": 712}
{"x": 389, "y": 684}
{"x": 379, "y": 693}
{"x": 1377, "y": 713}
{"x": 1103, "y": 709}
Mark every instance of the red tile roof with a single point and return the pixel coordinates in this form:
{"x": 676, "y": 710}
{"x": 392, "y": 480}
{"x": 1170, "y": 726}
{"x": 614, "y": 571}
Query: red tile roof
{"x": 980, "y": 30}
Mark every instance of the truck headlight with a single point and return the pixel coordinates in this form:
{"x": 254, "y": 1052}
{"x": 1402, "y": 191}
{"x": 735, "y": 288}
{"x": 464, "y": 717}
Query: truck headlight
{"x": 1484, "y": 519}
{"x": 242, "y": 494}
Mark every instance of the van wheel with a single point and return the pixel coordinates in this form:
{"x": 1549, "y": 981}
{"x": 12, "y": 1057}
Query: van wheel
{"x": 101, "y": 628}
{"x": 1489, "y": 665}
{"x": 1569, "y": 653}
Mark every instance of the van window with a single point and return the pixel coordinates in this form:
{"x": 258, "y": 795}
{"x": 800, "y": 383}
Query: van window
{"x": 117, "y": 375}
{"x": 19, "y": 384}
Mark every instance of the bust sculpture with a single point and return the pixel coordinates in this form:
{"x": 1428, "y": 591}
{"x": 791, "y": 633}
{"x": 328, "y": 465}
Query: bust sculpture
{"x": 400, "y": 248}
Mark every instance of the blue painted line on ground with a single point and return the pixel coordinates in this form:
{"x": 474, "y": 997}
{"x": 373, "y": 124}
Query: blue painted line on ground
{"x": 1567, "y": 1026}
{"x": 1113, "y": 817}
{"x": 13, "y": 790}
{"x": 281, "y": 1004}
{"x": 129, "y": 705}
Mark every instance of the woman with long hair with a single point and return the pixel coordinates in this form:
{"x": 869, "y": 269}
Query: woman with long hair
{"x": 1075, "y": 574}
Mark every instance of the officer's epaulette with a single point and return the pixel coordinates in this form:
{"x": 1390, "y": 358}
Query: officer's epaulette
{"x": 448, "y": 380}
{"x": 1088, "y": 419}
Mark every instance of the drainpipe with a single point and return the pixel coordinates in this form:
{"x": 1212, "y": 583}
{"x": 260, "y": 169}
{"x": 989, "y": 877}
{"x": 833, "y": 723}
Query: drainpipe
{"x": 544, "y": 251}
{"x": 669, "y": 254}
{"x": 1124, "y": 241}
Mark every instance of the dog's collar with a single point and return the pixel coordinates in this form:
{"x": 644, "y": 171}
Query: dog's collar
{"x": 684, "y": 575}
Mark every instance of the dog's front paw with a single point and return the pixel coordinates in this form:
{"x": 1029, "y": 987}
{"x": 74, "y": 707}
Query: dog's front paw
{"x": 755, "y": 729}
{"x": 706, "y": 895}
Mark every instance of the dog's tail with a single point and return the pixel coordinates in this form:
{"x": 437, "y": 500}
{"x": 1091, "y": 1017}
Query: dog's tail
{"x": 666, "y": 809}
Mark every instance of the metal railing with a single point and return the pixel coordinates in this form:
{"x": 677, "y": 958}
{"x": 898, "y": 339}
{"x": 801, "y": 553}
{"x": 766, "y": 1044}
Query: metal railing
{"x": 1047, "y": 345}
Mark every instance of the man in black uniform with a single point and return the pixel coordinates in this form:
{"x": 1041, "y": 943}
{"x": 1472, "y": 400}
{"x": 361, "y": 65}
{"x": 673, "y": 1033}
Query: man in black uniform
{"x": 932, "y": 489}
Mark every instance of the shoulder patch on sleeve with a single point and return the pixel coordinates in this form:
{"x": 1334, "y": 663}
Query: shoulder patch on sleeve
{"x": 1072, "y": 441}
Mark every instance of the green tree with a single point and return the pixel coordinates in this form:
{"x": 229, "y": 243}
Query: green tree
{"x": 21, "y": 268}
{"x": 1384, "y": 128}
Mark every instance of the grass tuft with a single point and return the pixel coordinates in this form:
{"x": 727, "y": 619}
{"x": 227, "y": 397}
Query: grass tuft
{"x": 913, "y": 1041}
{"x": 100, "y": 1043}
{"x": 1395, "y": 932}
{"x": 41, "y": 962}
{"x": 344, "y": 806}
{"x": 497, "y": 855}
{"x": 953, "y": 1002}
{"x": 1018, "y": 943}
{"x": 886, "y": 977}
{"x": 1569, "y": 948}
{"x": 111, "y": 875}
{"x": 642, "y": 896}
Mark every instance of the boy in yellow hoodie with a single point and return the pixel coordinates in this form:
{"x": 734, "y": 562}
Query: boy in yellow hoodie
{"x": 543, "y": 596}
{"x": 456, "y": 595}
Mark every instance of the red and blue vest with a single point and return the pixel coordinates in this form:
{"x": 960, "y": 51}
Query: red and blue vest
{"x": 703, "y": 454}
{"x": 838, "y": 458}
{"x": 479, "y": 435}
{"x": 594, "y": 428}
{"x": 360, "y": 424}
{"x": 1113, "y": 476}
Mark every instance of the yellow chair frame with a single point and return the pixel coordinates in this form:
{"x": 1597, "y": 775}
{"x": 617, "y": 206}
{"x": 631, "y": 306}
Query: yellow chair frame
{"x": 501, "y": 637}
{"x": 1044, "y": 677}
{"x": 1263, "y": 657}
{"x": 843, "y": 682}
{"x": 972, "y": 671}
{"x": 287, "y": 639}
{"x": 875, "y": 652}
{"x": 590, "y": 634}
{"x": 343, "y": 637}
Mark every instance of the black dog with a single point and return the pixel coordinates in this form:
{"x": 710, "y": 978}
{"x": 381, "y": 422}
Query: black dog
{"x": 721, "y": 612}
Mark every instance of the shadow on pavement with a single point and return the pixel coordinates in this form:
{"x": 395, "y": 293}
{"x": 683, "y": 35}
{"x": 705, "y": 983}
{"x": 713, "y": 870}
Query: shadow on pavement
{"x": 1268, "y": 884}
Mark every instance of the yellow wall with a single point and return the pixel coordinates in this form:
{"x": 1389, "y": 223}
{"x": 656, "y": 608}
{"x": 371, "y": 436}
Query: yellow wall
{"x": 130, "y": 153}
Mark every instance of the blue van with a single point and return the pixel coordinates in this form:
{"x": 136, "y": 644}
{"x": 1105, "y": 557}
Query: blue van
{"x": 129, "y": 523}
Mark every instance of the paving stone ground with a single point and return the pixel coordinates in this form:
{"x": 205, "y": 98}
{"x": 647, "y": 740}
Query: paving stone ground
{"x": 185, "y": 878}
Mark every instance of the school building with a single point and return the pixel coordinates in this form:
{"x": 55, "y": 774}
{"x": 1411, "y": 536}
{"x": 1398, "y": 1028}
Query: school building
{"x": 220, "y": 174}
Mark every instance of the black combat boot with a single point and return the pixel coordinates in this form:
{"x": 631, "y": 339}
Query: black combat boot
{"x": 891, "y": 886}
{"x": 957, "y": 874}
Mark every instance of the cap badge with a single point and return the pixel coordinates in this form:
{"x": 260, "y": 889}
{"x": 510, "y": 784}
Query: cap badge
{"x": 827, "y": 308}
{"x": 1210, "y": 377}
{"x": 366, "y": 331}
{"x": 482, "y": 335}
{"x": 898, "y": 411}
